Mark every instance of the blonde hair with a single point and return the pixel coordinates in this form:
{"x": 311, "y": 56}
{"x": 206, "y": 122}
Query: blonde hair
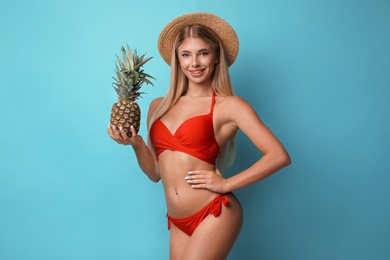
{"x": 221, "y": 83}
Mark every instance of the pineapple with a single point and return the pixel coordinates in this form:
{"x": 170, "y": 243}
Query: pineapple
{"x": 130, "y": 77}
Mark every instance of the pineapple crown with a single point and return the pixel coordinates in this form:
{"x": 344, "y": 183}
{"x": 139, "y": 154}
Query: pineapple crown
{"x": 130, "y": 77}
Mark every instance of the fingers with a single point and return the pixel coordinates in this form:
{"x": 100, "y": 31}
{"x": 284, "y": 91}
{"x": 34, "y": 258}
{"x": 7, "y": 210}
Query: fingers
{"x": 197, "y": 177}
{"x": 119, "y": 135}
{"x": 132, "y": 130}
{"x": 113, "y": 131}
{"x": 210, "y": 180}
{"x": 109, "y": 129}
{"x": 123, "y": 134}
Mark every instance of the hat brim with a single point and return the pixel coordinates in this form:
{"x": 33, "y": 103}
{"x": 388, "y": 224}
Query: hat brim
{"x": 224, "y": 31}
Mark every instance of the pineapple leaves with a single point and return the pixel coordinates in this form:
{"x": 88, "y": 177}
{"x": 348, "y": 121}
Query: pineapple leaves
{"x": 147, "y": 75}
{"x": 130, "y": 58}
{"x": 147, "y": 81}
{"x": 129, "y": 76}
{"x": 126, "y": 62}
{"x": 136, "y": 76}
{"x": 120, "y": 63}
{"x": 142, "y": 62}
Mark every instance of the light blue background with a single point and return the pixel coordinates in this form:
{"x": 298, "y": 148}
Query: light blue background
{"x": 317, "y": 73}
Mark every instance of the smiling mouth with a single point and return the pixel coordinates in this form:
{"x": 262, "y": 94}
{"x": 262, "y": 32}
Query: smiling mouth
{"x": 196, "y": 73}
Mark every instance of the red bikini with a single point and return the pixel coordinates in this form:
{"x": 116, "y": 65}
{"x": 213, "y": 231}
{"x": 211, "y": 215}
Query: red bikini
{"x": 189, "y": 224}
{"x": 195, "y": 136}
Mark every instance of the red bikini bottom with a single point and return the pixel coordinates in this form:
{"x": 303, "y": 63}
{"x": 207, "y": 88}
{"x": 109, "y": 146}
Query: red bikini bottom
{"x": 189, "y": 224}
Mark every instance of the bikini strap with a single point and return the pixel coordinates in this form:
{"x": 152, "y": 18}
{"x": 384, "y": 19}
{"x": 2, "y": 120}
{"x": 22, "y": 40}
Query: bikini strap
{"x": 212, "y": 103}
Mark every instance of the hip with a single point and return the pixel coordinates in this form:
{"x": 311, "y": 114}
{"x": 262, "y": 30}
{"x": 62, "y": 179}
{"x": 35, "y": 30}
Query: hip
{"x": 189, "y": 201}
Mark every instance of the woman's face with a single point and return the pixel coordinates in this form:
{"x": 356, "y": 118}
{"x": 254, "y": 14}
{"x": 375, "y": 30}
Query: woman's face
{"x": 197, "y": 60}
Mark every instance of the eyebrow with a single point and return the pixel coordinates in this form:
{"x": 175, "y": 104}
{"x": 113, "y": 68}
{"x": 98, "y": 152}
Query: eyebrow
{"x": 204, "y": 49}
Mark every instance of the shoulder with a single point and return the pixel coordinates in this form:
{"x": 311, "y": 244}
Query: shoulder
{"x": 154, "y": 105}
{"x": 233, "y": 103}
{"x": 236, "y": 110}
{"x": 157, "y": 101}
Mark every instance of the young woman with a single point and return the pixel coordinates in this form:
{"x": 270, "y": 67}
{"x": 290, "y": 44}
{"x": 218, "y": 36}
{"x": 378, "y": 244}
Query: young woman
{"x": 191, "y": 132}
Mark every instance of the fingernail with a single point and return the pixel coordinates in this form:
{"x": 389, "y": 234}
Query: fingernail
{"x": 188, "y": 181}
{"x": 113, "y": 127}
{"x": 190, "y": 172}
{"x": 121, "y": 128}
{"x": 186, "y": 178}
{"x": 132, "y": 127}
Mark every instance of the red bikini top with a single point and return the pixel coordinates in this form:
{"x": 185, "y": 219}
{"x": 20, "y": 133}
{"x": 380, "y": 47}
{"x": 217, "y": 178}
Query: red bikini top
{"x": 195, "y": 136}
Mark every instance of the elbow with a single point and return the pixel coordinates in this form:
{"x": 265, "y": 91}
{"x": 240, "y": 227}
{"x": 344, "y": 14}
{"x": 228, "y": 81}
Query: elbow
{"x": 284, "y": 160}
{"x": 155, "y": 177}
{"x": 155, "y": 180}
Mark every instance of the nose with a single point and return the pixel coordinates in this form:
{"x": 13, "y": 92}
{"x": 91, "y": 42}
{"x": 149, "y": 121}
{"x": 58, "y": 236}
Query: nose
{"x": 195, "y": 61}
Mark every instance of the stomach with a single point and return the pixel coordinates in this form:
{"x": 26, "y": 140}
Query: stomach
{"x": 182, "y": 200}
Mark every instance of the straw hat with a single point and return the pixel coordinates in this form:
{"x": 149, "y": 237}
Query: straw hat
{"x": 225, "y": 32}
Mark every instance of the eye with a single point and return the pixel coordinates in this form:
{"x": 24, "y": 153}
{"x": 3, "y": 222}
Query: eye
{"x": 204, "y": 53}
{"x": 184, "y": 55}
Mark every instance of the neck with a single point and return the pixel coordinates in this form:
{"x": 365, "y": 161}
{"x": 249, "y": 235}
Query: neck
{"x": 203, "y": 90}
{"x": 199, "y": 93}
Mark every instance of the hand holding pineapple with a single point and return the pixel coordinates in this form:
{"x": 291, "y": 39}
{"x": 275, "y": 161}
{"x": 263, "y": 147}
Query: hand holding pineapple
{"x": 126, "y": 113}
{"x": 120, "y": 136}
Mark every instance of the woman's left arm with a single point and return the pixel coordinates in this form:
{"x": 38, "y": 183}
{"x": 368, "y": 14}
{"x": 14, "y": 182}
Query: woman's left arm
{"x": 274, "y": 158}
{"x": 242, "y": 116}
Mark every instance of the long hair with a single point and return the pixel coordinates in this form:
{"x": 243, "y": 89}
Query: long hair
{"x": 221, "y": 83}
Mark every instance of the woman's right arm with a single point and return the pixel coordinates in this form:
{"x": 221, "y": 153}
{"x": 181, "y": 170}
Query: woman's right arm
{"x": 144, "y": 156}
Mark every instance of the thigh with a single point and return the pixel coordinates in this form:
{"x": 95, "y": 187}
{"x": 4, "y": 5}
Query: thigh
{"x": 215, "y": 236}
{"x": 177, "y": 242}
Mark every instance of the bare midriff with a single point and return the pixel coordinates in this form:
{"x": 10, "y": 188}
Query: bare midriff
{"x": 182, "y": 200}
